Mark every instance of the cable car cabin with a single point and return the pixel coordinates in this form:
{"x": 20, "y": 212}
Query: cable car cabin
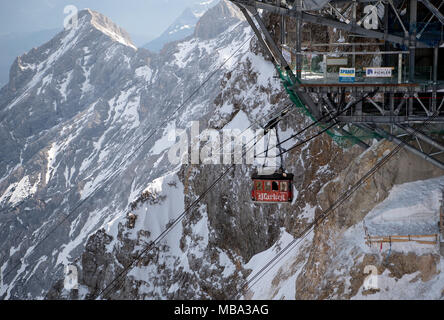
{"x": 274, "y": 188}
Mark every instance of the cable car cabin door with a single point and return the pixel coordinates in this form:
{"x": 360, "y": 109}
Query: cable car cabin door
{"x": 271, "y": 191}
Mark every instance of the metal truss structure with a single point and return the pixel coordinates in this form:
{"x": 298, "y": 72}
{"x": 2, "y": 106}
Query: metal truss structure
{"x": 409, "y": 109}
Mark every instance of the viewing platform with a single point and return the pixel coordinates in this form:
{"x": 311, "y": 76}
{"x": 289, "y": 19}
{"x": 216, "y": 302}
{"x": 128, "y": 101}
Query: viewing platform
{"x": 317, "y": 82}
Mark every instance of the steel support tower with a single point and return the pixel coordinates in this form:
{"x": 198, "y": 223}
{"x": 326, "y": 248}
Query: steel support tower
{"x": 406, "y": 108}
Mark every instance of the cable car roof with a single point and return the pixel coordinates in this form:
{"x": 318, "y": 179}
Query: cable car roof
{"x": 274, "y": 176}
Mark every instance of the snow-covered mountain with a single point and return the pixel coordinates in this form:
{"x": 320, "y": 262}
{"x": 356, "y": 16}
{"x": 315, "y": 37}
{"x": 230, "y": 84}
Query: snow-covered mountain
{"x": 85, "y": 181}
{"x": 75, "y": 109}
{"x": 182, "y": 27}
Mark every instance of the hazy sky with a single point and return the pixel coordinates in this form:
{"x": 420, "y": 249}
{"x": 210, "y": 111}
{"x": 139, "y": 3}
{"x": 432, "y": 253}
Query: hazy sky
{"x": 143, "y": 19}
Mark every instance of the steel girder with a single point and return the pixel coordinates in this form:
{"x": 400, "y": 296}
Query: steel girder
{"x": 434, "y": 10}
{"x": 351, "y": 27}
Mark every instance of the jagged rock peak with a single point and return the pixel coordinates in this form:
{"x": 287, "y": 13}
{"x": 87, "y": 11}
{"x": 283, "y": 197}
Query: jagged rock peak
{"x": 217, "y": 19}
{"x": 106, "y": 26}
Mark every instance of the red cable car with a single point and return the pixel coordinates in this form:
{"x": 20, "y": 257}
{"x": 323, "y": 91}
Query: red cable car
{"x": 278, "y": 186}
{"x": 273, "y": 188}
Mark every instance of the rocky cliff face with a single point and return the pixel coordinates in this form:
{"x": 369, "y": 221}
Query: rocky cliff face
{"x": 338, "y": 251}
{"x": 216, "y": 20}
{"x": 91, "y": 153}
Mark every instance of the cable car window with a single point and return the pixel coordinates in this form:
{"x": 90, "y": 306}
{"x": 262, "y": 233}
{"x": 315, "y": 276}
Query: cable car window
{"x": 284, "y": 186}
{"x": 258, "y": 185}
{"x": 267, "y": 185}
{"x": 275, "y": 186}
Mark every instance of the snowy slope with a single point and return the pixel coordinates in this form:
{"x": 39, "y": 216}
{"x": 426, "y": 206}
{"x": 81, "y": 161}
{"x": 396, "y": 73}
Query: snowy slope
{"x": 410, "y": 209}
{"x": 278, "y": 280}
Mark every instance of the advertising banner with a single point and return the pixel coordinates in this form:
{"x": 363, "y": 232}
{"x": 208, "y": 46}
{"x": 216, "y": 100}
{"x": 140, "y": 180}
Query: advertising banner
{"x": 347, "y": 75}
{"x": 378, "y": 72}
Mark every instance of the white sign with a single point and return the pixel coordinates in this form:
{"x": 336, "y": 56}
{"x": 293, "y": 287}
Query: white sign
{"x": 378, "y": 72}
{"x": 337, "y": 61}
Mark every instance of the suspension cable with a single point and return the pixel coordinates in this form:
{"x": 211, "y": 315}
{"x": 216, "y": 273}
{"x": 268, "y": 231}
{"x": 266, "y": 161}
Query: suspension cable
{"x": 332, "y": 118}
{"x": 107, "y": 290}
{"x": 325, "y": 214}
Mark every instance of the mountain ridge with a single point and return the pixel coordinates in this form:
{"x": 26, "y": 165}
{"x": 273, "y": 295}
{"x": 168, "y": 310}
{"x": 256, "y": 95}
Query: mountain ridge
{"x": 182, "y": 27}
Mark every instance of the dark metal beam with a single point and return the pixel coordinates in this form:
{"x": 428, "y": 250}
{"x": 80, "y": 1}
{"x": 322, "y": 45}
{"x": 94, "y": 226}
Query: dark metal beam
{"x": 435, "y": 64}
{"x": 347, "y": 1}
{"x": 257, "y": 33}
{"x": 352, "y": 27}
{"x": 433, "y": 10}
{"x": 410, "y": 148}
{"x": 268, "y": 38}
{"x": 270, "y": 45}
{"x": 435, "y": 78}
{"x": 421, "y": 136}
{"x": 298, "y": 37}
{"x": 412, "y": 43}
{"x": 387, "y": 119}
